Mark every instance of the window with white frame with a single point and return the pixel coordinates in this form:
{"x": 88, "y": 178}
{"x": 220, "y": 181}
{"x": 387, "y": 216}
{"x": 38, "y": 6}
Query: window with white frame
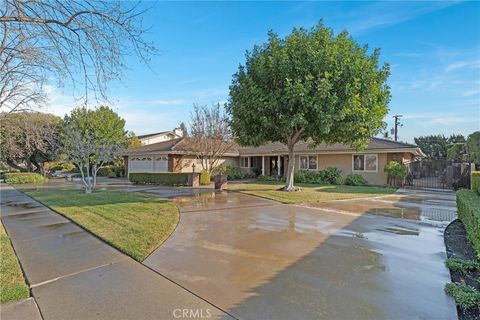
{"x": 308, "y": 162}
{"x": 365, "y": 162}
{"x": 244, "y": 162}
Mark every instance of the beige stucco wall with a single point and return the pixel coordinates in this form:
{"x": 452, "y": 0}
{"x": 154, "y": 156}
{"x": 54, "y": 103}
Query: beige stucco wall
{"x": 156, "y": 139}
{"x": 344, "y": 163}
{"x": 187, "y": 162}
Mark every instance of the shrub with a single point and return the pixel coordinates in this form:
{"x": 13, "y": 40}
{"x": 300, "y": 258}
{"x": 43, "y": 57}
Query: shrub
{"x": 305, "y": 176}
{"x": 331, "y": 175}
{"x": 396, "y": 172}
{"x": 106, "y": 171}
{"x": 468, "y": 207}
{"x": 266, "y": 178}
{"x": 20, "y": 178}
{"x": 354, "y": 179}
{"x": 476, "y": 181}
{"x": 233, "y": 173}
{"x": 3, "y": 172}
{"x": 462, "y": 266}
{"x": 205, "y": 178}
{"x": 465, "y": 296}
{"x": 61, "y": 166}
{"x": 163, "y": 178}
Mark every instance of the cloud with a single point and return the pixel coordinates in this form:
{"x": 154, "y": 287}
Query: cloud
{"x": 409, "y": 54}
{"x": 382, "y": 14}
{"x": 472, "y": 92}
{"x": 451, "y": 121}
{"x": 473, "y": 64}
{"x": 168, "y": 102}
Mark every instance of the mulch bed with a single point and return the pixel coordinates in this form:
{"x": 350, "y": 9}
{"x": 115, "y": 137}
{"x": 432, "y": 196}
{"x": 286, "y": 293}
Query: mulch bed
{"x": 458, "y": 246}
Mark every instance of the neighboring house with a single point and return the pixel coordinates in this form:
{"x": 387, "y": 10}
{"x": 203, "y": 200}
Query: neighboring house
{"x": 152, "y": 138}
{"x": 271, "y": 159}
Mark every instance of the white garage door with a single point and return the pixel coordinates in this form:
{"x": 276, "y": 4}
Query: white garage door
{"x": 141, "y": 164}
{"x": 161, "y": 164}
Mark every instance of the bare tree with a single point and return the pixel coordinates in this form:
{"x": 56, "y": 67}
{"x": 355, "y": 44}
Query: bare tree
{"x": 82, "y": 42}
{"x": 211, "y": 137}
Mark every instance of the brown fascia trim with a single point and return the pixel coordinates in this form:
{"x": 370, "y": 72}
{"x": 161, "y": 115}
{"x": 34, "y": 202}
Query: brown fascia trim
{"x": 378, "y": 150}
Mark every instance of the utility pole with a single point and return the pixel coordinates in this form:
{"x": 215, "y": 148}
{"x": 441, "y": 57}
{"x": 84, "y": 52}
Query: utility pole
{"x": 397, "y": 124}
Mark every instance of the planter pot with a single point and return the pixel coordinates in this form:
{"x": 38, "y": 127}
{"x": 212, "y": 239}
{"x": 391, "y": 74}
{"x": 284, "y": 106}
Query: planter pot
{"x": 220, "y": 181}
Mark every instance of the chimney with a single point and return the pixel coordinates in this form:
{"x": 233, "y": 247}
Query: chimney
{"x": 178, "y": 131}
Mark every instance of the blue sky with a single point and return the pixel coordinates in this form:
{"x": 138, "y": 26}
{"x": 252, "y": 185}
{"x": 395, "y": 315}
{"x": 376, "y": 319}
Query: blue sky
{"x": 433, "y": 49}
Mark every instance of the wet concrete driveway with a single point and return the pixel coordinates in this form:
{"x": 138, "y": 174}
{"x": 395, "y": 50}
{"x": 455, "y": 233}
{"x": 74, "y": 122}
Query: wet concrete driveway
{"x": 358, "y": 259}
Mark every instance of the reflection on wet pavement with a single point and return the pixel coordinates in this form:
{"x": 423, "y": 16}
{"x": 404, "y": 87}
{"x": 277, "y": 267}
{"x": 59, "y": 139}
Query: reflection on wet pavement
{"x": 394, "y": 207}
{"x": 261, "y": 260}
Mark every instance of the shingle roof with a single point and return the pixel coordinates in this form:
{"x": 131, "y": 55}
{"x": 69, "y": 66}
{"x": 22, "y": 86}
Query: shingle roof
{"x": 154, "y": 134}
{"x": 273, "y": 148}
{"x": 184, "y": 145}
{"x": 188, "y": 145}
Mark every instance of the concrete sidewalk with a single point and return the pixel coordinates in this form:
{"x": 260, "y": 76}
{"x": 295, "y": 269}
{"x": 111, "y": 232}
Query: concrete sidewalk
{"x": 74, "y": 275}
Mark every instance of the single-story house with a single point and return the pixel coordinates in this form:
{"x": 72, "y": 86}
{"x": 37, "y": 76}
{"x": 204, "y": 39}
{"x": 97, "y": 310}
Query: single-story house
{"x": 152, "y": 138}
{"x": 272, "y": 159}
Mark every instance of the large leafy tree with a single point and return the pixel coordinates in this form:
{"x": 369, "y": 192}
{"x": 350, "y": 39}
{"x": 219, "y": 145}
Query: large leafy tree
{"x": 473, "y": 147}
{"x": 437, "y": 145}
{"x": 29, "y": 139}
{"x": 311, "y": 84}
{"x": 92, "y": 138}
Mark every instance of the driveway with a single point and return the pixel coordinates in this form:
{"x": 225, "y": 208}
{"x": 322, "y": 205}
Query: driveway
{"x": 358, "y": 259}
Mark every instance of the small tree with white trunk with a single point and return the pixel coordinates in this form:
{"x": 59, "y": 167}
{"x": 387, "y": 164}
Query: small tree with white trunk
{"x": 92, "y": 138}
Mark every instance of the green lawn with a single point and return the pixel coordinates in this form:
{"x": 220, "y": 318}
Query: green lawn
{"x": 308, "y": 192}
{"x": 12, "y": 283}
{"x": 134, "y": 223}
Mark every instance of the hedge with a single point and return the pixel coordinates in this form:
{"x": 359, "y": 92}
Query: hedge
{"x": 20, "y": 178}
{"x": 163, "y": 178}
{"x": 476, "y": 181}
{"x": 205, "y": 178}
{"x": 468, "y": 209}
{"x": 355, "y": 179}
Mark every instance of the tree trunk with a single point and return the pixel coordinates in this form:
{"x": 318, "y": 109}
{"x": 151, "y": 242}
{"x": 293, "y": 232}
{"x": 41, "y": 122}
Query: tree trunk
{"x": 14, "y": 165}
{"x": 291, "y": 168}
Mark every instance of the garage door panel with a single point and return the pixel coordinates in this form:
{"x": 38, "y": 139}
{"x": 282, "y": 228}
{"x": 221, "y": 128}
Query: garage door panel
{"x": 141, "y": 164}
{"x": 161, "y": 164}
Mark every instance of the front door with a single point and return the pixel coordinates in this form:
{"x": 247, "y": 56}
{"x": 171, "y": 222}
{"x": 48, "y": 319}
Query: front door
{"x": 276, "y": 167}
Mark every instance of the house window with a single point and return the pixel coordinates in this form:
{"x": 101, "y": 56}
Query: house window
{"x": 308, "y": 162}
{"x": 253, "y": 162}
{"x": 244, "y": 162}
{"x": 365, "y": 162}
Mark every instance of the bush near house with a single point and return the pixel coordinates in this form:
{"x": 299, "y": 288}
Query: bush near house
{"x": 110, "y": 171}
{"x": 233, "y": 173}
{"x": 354, "y": 179}
{"x": 162, "y": 178}
{"x": 21, "y": 178}
{"x": 205, "y": 178}
{"x": 329, "y": 175}
{"x": 476, "y": 181}
{"x": 468, "y": 207}
{"x": 396, "y": 173}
